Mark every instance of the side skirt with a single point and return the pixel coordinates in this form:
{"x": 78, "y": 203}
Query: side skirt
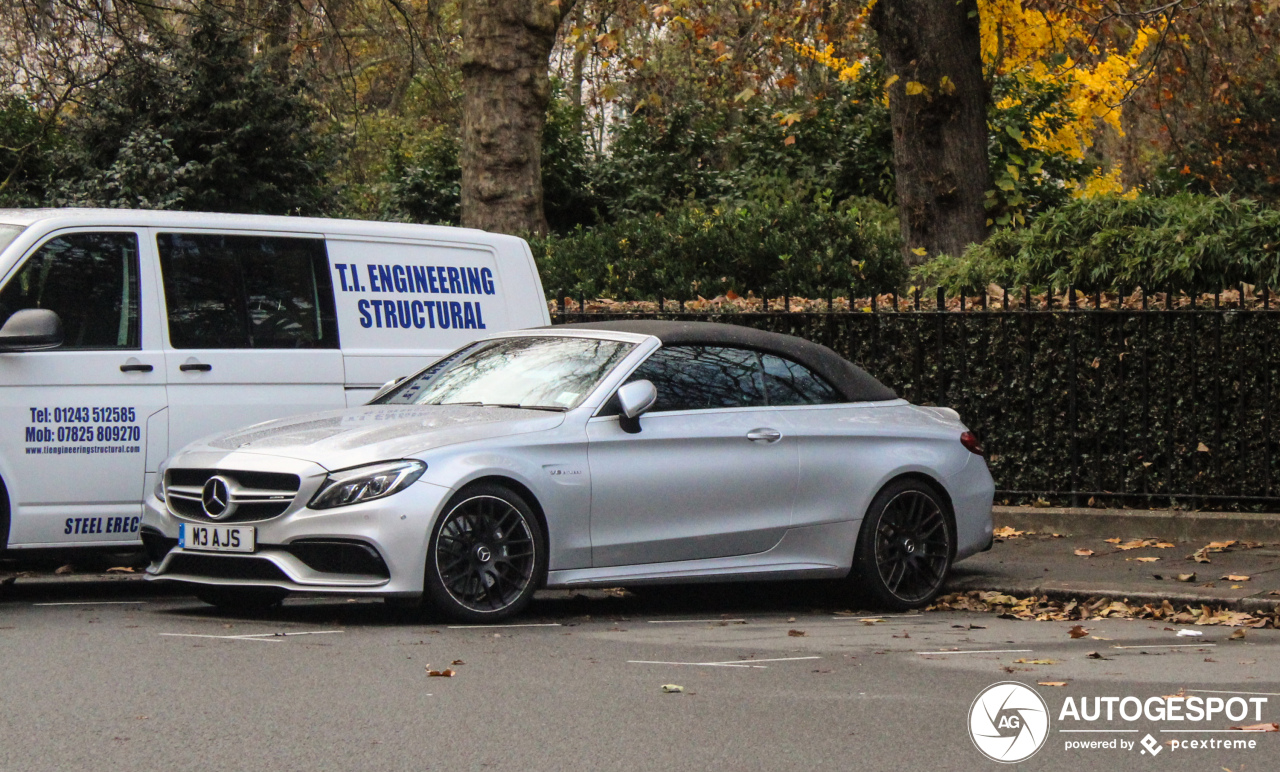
{"x": 812, "y": 552}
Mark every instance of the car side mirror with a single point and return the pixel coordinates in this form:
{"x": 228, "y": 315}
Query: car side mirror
{"x": 633, "y": 400}
{"x": 31, "y": 329}
{"x": 388, "y": 386}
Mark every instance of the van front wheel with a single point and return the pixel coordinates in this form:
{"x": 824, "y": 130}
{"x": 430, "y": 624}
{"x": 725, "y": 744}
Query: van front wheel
{"x": 242, "y": 600}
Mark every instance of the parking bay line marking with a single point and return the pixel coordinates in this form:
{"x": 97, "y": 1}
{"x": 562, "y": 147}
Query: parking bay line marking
{"x": 260, "y": 637}
{"x": 980, "y": 651}
{"x": 1097, "y": 730}
{"x": 490, "y": 627}
{"x": 93, "y": 603}
{"x": 689, "y": 621}
{"x": 747, "y": 663}
{"x": 1169, "y": 646}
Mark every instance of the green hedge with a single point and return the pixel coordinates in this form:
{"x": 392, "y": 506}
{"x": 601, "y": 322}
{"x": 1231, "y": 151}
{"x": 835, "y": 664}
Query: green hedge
{"x": 1187, "y": 242}
{"x": 803, "y": 247}
{"x": 1127, "y": 408}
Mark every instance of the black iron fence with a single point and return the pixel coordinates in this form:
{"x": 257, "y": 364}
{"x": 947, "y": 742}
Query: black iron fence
{"x": 1078, "y": 401}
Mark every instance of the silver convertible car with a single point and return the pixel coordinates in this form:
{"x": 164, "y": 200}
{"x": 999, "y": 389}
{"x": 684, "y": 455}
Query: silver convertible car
{"x": 607, "y": 454}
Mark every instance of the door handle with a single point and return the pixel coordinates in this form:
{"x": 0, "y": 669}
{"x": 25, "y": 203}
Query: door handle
{"x": 196, "y": 367}
{"x": 764, "y": 435}
{"x": 135, "y": 367}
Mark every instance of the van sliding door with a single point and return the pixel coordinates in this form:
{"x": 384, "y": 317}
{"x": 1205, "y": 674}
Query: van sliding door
{"x": 252, "y": 333}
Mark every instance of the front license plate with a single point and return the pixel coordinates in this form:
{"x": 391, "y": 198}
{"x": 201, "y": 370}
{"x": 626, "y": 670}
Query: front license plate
{"x": 217, "y": 538}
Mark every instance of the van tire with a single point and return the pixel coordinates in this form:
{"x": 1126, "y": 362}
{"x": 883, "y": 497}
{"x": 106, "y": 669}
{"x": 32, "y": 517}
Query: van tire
{"x": 4, "y": 517}
{"x": 242, "y": 600}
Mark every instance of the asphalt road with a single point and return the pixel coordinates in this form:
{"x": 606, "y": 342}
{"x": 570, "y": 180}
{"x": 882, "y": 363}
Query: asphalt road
{"x": 116, "y": 677}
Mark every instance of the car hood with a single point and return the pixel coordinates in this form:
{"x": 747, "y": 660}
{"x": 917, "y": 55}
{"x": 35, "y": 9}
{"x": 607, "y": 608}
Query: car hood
{"x": 343, "y": 438}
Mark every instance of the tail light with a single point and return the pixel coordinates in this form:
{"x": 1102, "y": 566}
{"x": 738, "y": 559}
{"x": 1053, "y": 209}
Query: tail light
{"x": 970, "y": 441}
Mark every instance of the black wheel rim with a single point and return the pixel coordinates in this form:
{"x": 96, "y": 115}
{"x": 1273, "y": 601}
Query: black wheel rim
{"x": 913, "y": 546}
{"x": 485, "y": 554}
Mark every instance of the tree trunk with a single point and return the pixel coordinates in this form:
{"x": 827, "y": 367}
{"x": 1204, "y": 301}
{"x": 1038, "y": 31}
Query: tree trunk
{"x": 506, "y": 45}
{"x": 937, "y": 109}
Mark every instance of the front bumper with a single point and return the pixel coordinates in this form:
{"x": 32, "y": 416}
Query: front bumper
{"x": 393, "y": 531}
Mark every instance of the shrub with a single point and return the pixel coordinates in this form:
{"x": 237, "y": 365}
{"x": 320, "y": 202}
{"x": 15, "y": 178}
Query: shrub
{"x": 1187, "y": 242}
{"x": 775, "y": 244}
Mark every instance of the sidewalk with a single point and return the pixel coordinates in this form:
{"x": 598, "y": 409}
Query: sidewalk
{"x": 1041, "y": 564}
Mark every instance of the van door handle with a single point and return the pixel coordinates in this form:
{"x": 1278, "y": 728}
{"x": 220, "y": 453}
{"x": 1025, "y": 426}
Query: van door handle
{"x": 135, "y": 367}
{"x": 195, "y": 367}
{"x": 764, "y": 435}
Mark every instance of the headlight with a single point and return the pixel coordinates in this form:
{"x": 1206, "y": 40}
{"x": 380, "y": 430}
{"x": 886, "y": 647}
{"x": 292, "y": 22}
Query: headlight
{"x": 160, "y": 484}
{"x": 365, "y": 483}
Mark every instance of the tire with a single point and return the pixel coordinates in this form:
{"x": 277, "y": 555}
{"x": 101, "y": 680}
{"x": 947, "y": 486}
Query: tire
{"x": 242, "y": 600}
{"x": 905, "y": 547}
{"x": 486, "y": 557}
{"x": 4, "y": 518}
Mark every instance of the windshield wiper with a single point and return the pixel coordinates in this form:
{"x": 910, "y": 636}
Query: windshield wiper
{"x": 508, "y": 404}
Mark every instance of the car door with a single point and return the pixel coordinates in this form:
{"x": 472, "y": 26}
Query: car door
{"x": 251, "y": 330}
{"x": 75, "y": 447}
{"x": 711, "y": 473}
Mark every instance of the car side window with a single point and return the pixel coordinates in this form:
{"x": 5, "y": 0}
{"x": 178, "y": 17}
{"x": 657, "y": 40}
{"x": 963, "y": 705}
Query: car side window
{"x": 90, "y": 280}
{"x": 247, "y": 291}
{"x": 701, "y": 377}
{"x": 791, "y": 383}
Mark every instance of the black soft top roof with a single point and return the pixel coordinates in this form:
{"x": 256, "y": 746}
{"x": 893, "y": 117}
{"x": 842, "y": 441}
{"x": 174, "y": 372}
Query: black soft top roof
{"x": 853, "y": 383}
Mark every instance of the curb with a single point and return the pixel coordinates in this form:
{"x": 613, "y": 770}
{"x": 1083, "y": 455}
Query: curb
{"x": 1247, "y": 604}
{"x": 1172, "y": 524}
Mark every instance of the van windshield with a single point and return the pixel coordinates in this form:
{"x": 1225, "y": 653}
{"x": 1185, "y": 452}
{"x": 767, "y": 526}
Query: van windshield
{"x": 551, "y": 373}
{"x": 8, "y": 233}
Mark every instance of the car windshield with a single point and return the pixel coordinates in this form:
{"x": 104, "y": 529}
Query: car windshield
{"x": 8, "y": 233}
{"x": 550, "y": 373}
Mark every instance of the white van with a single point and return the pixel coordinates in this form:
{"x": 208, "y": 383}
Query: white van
{"x": 128, "y": 334}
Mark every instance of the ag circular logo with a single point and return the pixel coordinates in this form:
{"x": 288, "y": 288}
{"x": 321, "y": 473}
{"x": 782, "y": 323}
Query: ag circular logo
{"x": 1008, "y": 722}
{"x": 215, "y": 497}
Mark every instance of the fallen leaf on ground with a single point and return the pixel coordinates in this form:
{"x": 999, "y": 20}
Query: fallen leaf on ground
{"x": 1116, "y": 540}
{"x": 1235, "y": 578}
{"x": 1219, "y": 546}
{"x": 120, "y": 570}
{"x": 1272, "y": 727}
{"x": 1186, "y": 577}
{"x": 1084, "y": 553}
{"x": 64, "y": 570}
{"x": 446, "y": 673}
{"x": 1078, "y": 631}
{"x": 1025, "y": 661}
{"x": 1203, "y": 448}
{"x": 1199, "y": 556}
{"x": 1237, "y": 635}
{"x": 1052, "y": 683}
{"x": 672, "y": 689}
{"x": 1146, "y": 560}
{"x": 1008, "y": 532}
{"x": 1098, "y": 638}
{"x": 797, "y": 633}
{"x": 1137, "y": 544}
{"x": 1163, "y": 545}
{"x": 457, "y": 662}
{"x": 1094, "y": 655}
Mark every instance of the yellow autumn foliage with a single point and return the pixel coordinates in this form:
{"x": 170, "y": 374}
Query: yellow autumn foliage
{"x": 1036, "y": 45}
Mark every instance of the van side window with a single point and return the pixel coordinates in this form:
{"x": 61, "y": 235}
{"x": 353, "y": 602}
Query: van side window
{"x": 90, "y": 280}
{"x": 247, "y": 291}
